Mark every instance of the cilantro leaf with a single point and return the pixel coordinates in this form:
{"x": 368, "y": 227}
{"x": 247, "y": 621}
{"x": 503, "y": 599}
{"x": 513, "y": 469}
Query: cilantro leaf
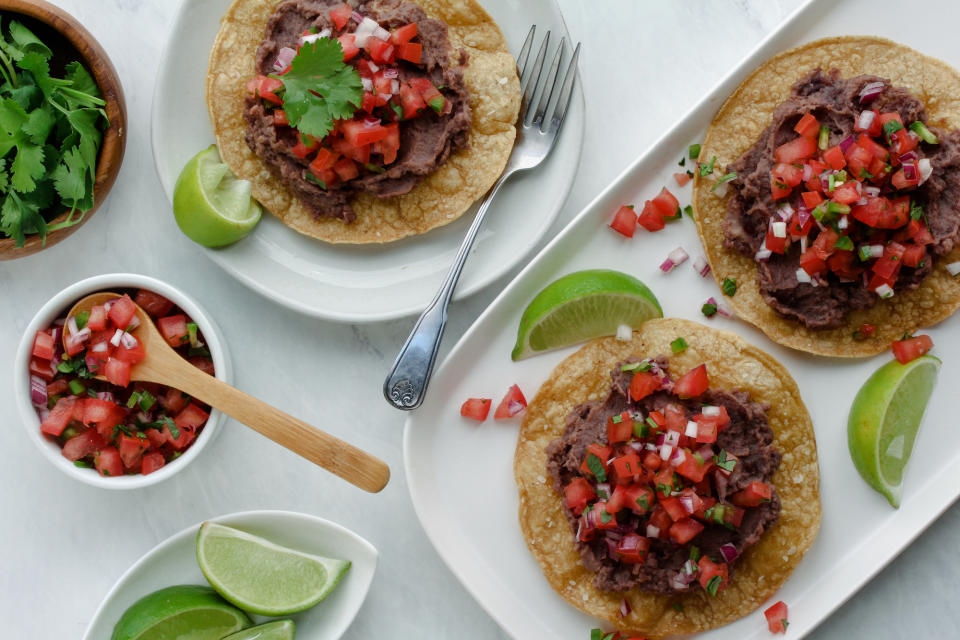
{"x": 29, "y": 43}
{"x": 39, "y": 124}
{"x": 68, "y": 177}
{"x": 27, "y": 167}
{"x": 320, "y": 88}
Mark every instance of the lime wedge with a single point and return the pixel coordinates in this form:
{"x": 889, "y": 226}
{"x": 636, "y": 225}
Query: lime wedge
{"x": 884, "y": 420}
{"x": 276, "y": 630}
{"x": 184, "y": 612}
{"x": 262, "y": 577}
{"x": 211, "y": 206}
{"x": 580, "y": 306}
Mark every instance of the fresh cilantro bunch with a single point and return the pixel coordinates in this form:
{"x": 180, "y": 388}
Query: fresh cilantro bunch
{"x": 320, "y": 88}
{"x": 50, "y": 132}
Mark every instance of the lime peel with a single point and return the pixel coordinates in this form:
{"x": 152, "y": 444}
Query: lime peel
{"x": 178, "y": 610}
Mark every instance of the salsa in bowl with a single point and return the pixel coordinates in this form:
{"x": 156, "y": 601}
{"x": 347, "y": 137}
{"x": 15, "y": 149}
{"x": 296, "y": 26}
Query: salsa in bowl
{"x": 113, "y": 432}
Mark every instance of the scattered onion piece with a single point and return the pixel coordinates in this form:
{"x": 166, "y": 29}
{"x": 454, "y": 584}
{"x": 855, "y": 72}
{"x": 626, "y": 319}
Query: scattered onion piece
{"x": 701, "y": 266}
{"x": 953, "y": 268}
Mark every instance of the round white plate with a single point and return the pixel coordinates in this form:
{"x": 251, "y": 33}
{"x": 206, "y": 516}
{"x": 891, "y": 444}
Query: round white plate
{"x": 174, "y": 561}
{"x": 362, "y": 283}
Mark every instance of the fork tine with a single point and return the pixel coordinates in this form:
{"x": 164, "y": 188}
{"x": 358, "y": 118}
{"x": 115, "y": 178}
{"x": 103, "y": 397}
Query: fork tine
{"x": 524, "y": 55}
{"x": 560, "y": 111}
{"x": 529, "y": 87}
{"x": 549, "y": 87}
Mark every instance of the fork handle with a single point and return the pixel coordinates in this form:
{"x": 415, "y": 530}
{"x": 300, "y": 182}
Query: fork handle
{"x": 406, "y": 384}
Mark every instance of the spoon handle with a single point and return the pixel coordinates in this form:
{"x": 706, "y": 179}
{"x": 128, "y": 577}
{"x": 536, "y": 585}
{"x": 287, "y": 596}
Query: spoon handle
{"x": 336, "y": 456}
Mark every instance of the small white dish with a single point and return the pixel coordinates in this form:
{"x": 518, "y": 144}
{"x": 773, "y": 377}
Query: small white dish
{"x": 363, "y": 283}
{"x": 174, "y": 562}
{"x": 58, "y": 305}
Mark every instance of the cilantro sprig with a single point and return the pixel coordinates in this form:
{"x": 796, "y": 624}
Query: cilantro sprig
{"x": 320, "y": 88}
{"x": 50, "y": 132}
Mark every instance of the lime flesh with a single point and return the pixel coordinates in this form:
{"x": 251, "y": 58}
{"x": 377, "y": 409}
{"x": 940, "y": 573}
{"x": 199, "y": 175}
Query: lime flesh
{"x": 581, "y": 306}
{"x": 884, "y": 421}
{"x": 184, "y": 612}
{"x": 262, "y": 577}
{"x": 276, "y": 630}
{"x": 211, "y": 206}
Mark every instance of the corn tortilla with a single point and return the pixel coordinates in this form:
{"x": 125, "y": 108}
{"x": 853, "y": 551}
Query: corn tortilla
{"x": 438, "y": 199}
{"x": 732, "y": 363}
{"x": 739, "y": 123}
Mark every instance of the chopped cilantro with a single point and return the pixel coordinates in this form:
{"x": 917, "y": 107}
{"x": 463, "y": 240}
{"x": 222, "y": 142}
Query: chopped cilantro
{"x": 81, "y": 318}
{"x": 689, "y": 173}
{"x": 844, "y": 243}
{"x": 709, "y": 309}
{"x": 146, "y": 400}
{"x": 373, "y": 168}
{"x": 121, "y": 428}
{"x": 698, "y": 458}
{"x": 617, "y": 419}
{"x": 320, "y": 88}
{"x": 722, "y": 461}
{"x": 865, "y": 175}
{"x": 683, "y": 161}
{"x": 644, "y": 502}
{"x": 315, "y": 180}
{"x": 695, "y": 553}
{"x": 724, "y": 178}
{"x": 729, "y": 286}
{"x": 688, "y": 210}
{"x": 83, "y": 464}
{"x": 890, "y": 127}
{"x": 707, "y": 169}
{"x": 679, "y": 345}
{"x": 605, "y": 516}
{"x": 595, "y": 466}
{"x": 713, "y": 585}
{"x": 916, "y": 211}
{"x": 694, "y": 151}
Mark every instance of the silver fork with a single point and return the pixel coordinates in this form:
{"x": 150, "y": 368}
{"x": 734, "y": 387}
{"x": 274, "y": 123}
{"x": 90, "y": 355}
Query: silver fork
{"x": 537, "y": 131}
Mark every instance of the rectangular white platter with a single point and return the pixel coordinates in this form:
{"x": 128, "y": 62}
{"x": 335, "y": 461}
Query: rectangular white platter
{"x": 461, "y": 473}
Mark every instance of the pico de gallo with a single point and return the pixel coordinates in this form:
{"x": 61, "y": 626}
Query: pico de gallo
{"x": 113, "y": 425}
{"x": 854, "y": 198}
{"x": 667, "y": 481}
{"x": 391, "y": 111}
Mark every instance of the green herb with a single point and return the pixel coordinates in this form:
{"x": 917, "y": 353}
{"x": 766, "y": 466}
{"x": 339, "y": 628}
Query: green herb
{"x": 651, "y": 423}
{"x": 664, "y": 489}
{"x": 76, "y": 366}
{"x": 688, "y": 210}
{"x": 695, "y": 553}
{"x": 605, "y": 516}
{"x": 724, "y": 178}
{"x": 644, "y": 502}
{"x": 844, "y": 243}
{"x": 616, "y": 419}
{"x": 890, "y": 127}
{"x": 722, "y": 461}
{"x": 602, "y": 494}
{"x": 698, "y": 458}
{"x": 785, "y": 623}
{"x": 437, "y": 103}
{"x": 713, "y": 584}
{"x": 683, "y": 162}
{"x": 865, "y": 175}
{"x": 707, "y": 169}
{"x": 823, "y": 140}
{"x": 320, "y": 88}
{"x": 597, "y": 634}
{"x": 925, "y": 134}
{"x": 689, "y": 173}
{"x": 52, "y": 129}
{"x": 374, "y": 168}
{"x": 199, "y": 351}
{"x": 121, "y": 428}
{"x": 82, "y": 317}
{"x": 729, "y": 286}
{"x": 192, "y": 330}
{"x": 315, "y": 180}
{"x": 864, "y": 253}
{"x": 709, "y": 309}
{"x": 643, "y": 365}
{"x": 133, "y": 399}
{"x": 694, "y": 151}
{"x": 831, "y": 182}
{"x": 76, "y": 387}
{"x": 397, "y": 109}
{"x": 92, "y": 393}
{"x": 595, "y": 466}
{"x": 916, "y": 211}
{"x": 83, "y": 464}
{"x": 679, "y": 345}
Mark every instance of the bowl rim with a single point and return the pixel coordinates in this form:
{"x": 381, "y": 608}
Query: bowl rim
{"x": 57, "y": 304}
{"x": 113, "y": 145}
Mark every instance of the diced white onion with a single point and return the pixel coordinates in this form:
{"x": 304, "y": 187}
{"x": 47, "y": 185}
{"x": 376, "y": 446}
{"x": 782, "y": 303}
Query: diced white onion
{"x": 652, "y": 531}
{"x": 665, "y": 451}
{"x": 374, "y": 68}
{"x": 866, "y": 119}
{"x": 100, "y": 347}
{"x": 82, "y": 335}
{"x": 802, "y": 276}
{"x": 691, "y": 430}
{"x": 953, "y": 268}
{"x": 884, "y": 291}
{"x": 394, "y": 86}
{"x": 926, "y": 169}
{"x": 367, "y": 84}
{"x": 128, "y": 341}
{"x": 672, "y": 438}
{"x": 284, "y": 58}
{"x": 762, "y": 255}
{"x": 678, "y": 457}
{"x": 134, "y": 323}
{"x": 843, "y": 222}
{"x": 779, "y": 229}
{"x": 678, "y": 256}
{"x": 117, "y": 336}
{"x": 381, "y": 33}
{"x": 803, "y": 244}
{"x": 624, "y": 332}
{"x": 72, "y": 326}
{"x": 710, "y": 410}
{"x": 876, "y": 250}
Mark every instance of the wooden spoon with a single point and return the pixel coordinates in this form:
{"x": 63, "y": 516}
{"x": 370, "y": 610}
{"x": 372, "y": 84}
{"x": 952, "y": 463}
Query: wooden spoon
{"x": 165, "y": 366}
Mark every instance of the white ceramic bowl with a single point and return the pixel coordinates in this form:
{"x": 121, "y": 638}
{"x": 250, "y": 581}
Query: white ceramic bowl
{"x": 60, "y": 304}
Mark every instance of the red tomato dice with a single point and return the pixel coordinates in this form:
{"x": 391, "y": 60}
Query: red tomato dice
{"x": 795, "y": 150}
{"x": 131, "y": 355}
{"x": 708, "y": 570}
{"x": 411, "y": 52}
{"x": 911, "y": 348}
{"x": 98, "y": 318}
{"x": 632, "y": 548}
{"x": 807, "y": 125}
{"x": 154, "y": 304}
{"x": 358, "y": 133}
{"x": 191, "y": 417}
{"x": 43, "y": 345}
{"x": 639, "y": 498}
{"x": 666, "y": 204}
{"x": 59, "y": 416}
{"x": 174, "y": 329}
{"x": 650, "y": 217}
{"x": 340, "y": 14}
{"x": 82, "y": 445}
{"x": 131, "y": 451}
{"x": 404, "y": 34}
{"x": 643, "y": 384}
{"x": 684, "y": 530}
{"x": 694, "y": 469}
{"x": 681, "y": 178}
{"x": 42, "y": 368}
{"x": 107, "y": 462}
{"x": 122, "y": 311}
{"x": 346, "y": 169}
{"x": 777, "y": 617}
{"x": 619, "y": 427}
{"x": 753, "y": 495}
{"x": 117, "y": 372}
{"x": 173, "y": 400}
{"x": 602, "y": 454}
{"x": 152, "y": 462}
{"x": 578, "y": 494}
{"x": 626, "y": 468}
{"x": 625, "y": 221}
{"x": 475, "y": 409}
{"x": 692, "y": 383}
{"x": 834, "y": 158}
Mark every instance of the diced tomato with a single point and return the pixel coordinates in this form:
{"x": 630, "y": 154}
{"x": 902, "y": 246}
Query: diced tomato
{"x": 632, "y": 548}
{"x": 900, "y": 181}
{"x": 152, "y": 462}
{"x": 390, "y": 144}
{"x": 58, "y": 387}
{"x": 183, "y": 438}
{"x": 359, "y": 133}
{"x": 877, "y": 281}
{"x": 279, "y": 120}
{"x": 811, "y": 199}
{"x": 913, "y": 255}
{"x": 795, "y": 150}
{"x": 71, "y": 345}
{"x": 348, "y": 42}
{"x": 911, "y": 348}
{"x": 675, "y": 418}
{"x": 709, "y": 569}
{"x": 626, "y": 468}
{"x": 773, "y": 243}
{"x": 173, "y": 400}
{"x": 411, "y": 101}
{"x": 511, "y": 404}
{"x": 380, "y": 51}
{"x": 117, "y": 372}
{"x": 918, "y": 232}
{"x": 643, "y": 384}
{"x": 824, "y": 245}
{"x": 411, "y": 52}
{"x": 879, "y": 152}
{"x": 692, "y": 383}
{"x": 875, "y": 129}
{"x": 346, "y": 169}
{"x": 706, "y": 429}
{"x": 660, "y": 519}
{"x": 305, "y": 146}
{"x": 650, "y": 217}
{"x": 174, "y": 329}
{"x": 104, "y": 415}
{"x": 777, "y": 617}
{"x": 340, "y": 15}
{"x": 108, "y": 463}
{"x": 605, "y": 519}
{"x": 790, "y": 174}
{"x": 324, "y": 160}
{"x": 131, "y": 451}
{"x": 651, "y": 460}
{"x": 265, "y": 87}
{"x": 404, "y": 34}
{"x": 191, "y": 417}
{"x": 369, "y": 102}
{"x": 619, "y": 427}
{"x": 888, "y": 116}
{"x": 98, "y": 318}
{"x": 203, "y": 363}
{"x": 666, "y": 203}
{"x": 82, "y": 445}
{"x": 706, "y": 502}
{"x": 753, "y": 495}
{"x": 778, "y": 188}
{"x": 812, "y": 263}
{"x": 625, "y": 221}
{"x": 131, "y": 355}
{"x": 844, "y": 264}
{"x": 674, "y": 508}
{"x": 694, "y": 469}
{"x": 154, "y": 304}
{"x": 475, "y": 408}
{"x": 43, "y": 345}
{"x": 684, "y": 530}
{"x": 807, "y": 125}
{"x": 681, "y": 178}
{"x": 602, "y": 454}
{"x": 846, "y": 193}
{"x": 858, "y": 161}
{"x": 578, "y": 494}
{"x": 834, "y": 158}
{"x": 59, "y": 416}
{"x": 639, "y": 498}
{"x": 156, "y": 438}
{"x": 888, "y": 265}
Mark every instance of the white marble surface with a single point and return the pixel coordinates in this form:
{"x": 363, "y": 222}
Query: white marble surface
{"x": 63, "y": 544}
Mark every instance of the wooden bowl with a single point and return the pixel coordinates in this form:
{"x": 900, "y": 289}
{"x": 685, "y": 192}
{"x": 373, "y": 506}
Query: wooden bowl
{"x": 70, "y": 41}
